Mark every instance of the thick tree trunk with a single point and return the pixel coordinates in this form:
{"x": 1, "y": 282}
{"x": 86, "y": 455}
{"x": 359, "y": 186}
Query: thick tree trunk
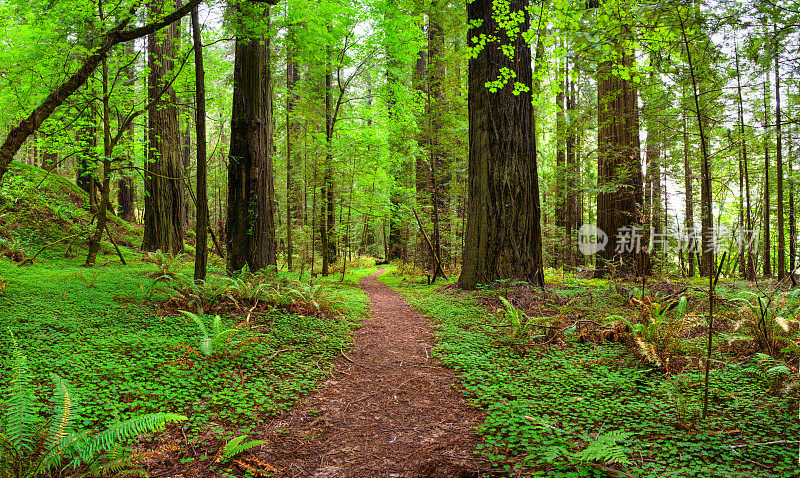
{"x": 620, "y": 204}
{"x": 250, "y": 227}
{"x": 503, "y": 233}
{"x": 163, "y": 184}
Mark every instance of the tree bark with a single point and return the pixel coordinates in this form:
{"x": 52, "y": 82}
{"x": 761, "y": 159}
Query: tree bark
{"x": 750, "y": 271}
{"x": 779, "y": 173}
{"x": 292, "y": 132}
{"x": 767, "y": 234}
{"x": 619, "y": 172}
{"x": 201, "y": 228}
{"x": 503, "y": 232}
{"x": 688, "y": 187}
{"x": 250, "y": 227}
{"x": 163, "y": 184}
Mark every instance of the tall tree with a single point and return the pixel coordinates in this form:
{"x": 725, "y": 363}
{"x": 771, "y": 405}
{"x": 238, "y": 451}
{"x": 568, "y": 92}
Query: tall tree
{"x": 767, "y": 207}
{"x": 292, "y": 133}
{"x": 779, "y": 170}
{"x": 619, "y": 172}
{"x": 201, "y": 228}
{"x": 163, "y": 184}
{"x": 250, "y": 226}
{"x": 503, "y": 231}
{"x": 439, "y": 159}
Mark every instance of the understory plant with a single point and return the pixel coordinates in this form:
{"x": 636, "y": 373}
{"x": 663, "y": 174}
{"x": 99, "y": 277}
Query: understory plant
{"x": 771, "y": 320}
{"x": 519, "y": 323}
{"x": 239, "y": 445}
{"x": 32, "y": 446}
{"x": 657, "y": 336}
{"x": 218, "y": 341}
{"x": 603, "y": 449}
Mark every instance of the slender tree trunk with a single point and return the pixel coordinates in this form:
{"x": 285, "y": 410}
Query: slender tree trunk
{"x": 503, "y": 233}
{"x": 705, "y": 172}
{"x": 767, "y": 235}
{"x": 201, "y": 228}
{"x": 250, "y": 227}
{"x": 105, "y": 188}
{"x": 750, "y": 272}
{"x": 687, "y": 173}
{"x": 439, "y": 163}
{"x": 163, "y": 185}
{"x": 328, "y": 214}
{"x": 292, "y": 132}
{"x": 779, "y": 173}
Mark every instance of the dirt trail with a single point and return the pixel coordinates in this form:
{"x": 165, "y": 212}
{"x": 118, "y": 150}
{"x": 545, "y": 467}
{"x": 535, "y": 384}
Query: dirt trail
{"x": 390, "y": 409}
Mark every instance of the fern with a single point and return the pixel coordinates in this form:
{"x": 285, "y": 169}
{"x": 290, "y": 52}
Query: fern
{"x": 238, "y": 445}
{"x": 606, "y": 449}
{"x": 211, "y": 344}
{"x": 90, "y": 447}
{"x": 29, "y": 450}
{"x": 20, "y": 415}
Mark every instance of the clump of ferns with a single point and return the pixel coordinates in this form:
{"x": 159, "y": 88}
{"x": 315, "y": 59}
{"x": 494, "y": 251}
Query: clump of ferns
{"x": 658, "y": 334}
{"x": 599, "y": 451}
{"x": 167, "y": 265}
{"x": 520, "y": 325}
{"x": 771, "y": 321}
{"x": 32, "y": 446}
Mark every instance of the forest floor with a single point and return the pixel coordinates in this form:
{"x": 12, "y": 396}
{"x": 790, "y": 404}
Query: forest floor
{"x": 390, "y": 410}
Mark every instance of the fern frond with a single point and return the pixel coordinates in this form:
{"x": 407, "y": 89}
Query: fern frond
{"x": 64, "y": 407}
{"x": 20, "y": 414}
{"x": 122, "y": 431}
{"x": 606, "y": 449}
{"x": 238, "y": 445}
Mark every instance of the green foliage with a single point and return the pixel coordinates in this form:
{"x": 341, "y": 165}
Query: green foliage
{"x": 31, "y": 447}
{"x": 658, "y": 336}
{"x": 584, "y": 389}
{"x": 771, "y": 320}
{"x": 125, "y": 357}
{"x": 238, "y": 445}
{"x": 518, "y": 322}
{"x": 218, "y": 341}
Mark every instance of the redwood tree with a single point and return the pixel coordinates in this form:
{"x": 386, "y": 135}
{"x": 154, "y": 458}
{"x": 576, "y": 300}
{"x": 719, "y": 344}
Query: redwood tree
{"x": 163, "y": 182}
{"x": 619, "y": 172}
{"x": 250, "y": 228}
{"x": 503, "y": 234}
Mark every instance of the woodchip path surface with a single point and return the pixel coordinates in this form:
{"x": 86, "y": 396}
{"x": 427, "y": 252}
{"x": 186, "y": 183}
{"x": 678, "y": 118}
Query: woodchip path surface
{"x": 389, "y": 410}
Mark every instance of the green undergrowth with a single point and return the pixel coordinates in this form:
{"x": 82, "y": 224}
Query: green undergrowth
{"x": 568, "y": 409}
{"x": 38, "y": 208}
{"x": 123, "y": 354}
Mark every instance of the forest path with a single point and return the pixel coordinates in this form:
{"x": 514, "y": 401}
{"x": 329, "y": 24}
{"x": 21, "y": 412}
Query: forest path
{"x": 389, "y": 410}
